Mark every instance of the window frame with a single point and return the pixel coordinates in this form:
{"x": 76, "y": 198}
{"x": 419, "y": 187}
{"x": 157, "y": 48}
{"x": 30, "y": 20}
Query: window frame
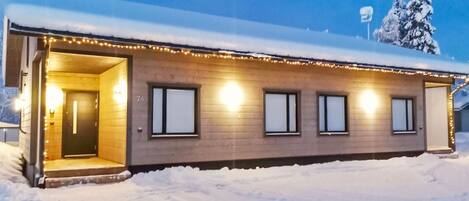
{"x": 345, "y": 132}
{"x": 164, "y": 133}
{"x": 414, "y": 119}
{"x": 287, "y": 93}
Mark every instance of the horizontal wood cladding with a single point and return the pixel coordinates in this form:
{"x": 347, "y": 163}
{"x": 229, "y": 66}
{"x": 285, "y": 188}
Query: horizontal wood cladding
{"x": 226, "y": 135}
{"x": 112, "y": 115}
{"x": 64, "y": 81}
{"x": 25, "y": 83}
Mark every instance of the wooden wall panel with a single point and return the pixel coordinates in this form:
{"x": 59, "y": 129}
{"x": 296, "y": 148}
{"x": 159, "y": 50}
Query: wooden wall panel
{"x": 64, "y": 81}
{"x": 113, "y": 114}
{"x": 226, "y": 135}
{"x": 25, "y": 113}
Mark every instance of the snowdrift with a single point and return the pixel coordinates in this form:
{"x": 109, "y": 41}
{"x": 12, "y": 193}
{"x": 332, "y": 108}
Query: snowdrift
{"x": 13, "y": 186}
{"x": 10, "y": 164}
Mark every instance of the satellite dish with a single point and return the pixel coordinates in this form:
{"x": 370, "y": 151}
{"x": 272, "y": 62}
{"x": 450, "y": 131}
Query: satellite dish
{"x": 366, "y": 14}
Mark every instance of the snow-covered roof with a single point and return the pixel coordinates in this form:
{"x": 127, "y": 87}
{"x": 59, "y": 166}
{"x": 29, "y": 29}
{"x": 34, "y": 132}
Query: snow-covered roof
{"x": 127, "y": 20}
{"x": 461, "y": 102}
{"x": 7, "y": 125}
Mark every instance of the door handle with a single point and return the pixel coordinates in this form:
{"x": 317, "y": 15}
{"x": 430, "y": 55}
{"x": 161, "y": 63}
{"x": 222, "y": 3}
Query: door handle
{"x": 75, "y": 117}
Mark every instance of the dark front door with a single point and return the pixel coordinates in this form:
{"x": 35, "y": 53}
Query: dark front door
{"x": 80, "y": 124}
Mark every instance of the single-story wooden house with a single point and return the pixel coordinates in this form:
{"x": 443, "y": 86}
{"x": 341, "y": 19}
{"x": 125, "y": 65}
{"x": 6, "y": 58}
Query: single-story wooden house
{"x": 461, "y": 114}
{"x": 137, "y": 87}
{"x": 9, "y": 133}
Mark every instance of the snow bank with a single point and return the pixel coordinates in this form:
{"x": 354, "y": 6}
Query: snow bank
{"x": 153, "y": 23}
{"x": 10, "y": 163}
{"x": 13, "y": 186}
{"x": 10, "y": 191}
{"x": 420, "y": 178}
{"x": 405, "y": 179}
{"x": 462, "y": 143}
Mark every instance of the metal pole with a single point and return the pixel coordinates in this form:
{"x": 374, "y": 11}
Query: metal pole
{"x": 368, "y": 28}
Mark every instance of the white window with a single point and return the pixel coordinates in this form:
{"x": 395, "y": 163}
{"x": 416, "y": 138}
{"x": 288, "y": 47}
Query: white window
{"x": 332, "y": 114}
{"x": 402, "y": 114}
{"x": 174, "y": 111}
{"x": 281, "y": 111}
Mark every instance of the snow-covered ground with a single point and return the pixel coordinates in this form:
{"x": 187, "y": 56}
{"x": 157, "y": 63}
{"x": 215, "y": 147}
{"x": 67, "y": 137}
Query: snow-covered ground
{"x": 421, "y": 178}
{"x": 462, "y": 143}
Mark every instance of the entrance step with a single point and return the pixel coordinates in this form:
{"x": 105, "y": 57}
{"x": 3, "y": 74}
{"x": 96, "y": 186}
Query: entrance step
{"x": 448, "y": 156}
{"x": 55, "y": 182}
{"x": 443, "y": 150}
{"x": 84, "y": 172}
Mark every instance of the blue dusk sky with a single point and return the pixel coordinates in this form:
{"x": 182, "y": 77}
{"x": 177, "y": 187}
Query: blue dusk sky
{"x": 337, "y": 16}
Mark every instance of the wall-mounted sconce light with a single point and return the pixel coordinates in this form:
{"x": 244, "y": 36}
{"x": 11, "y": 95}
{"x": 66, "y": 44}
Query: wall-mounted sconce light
{"x": 120, "y": 92}
{"x": 232, "y": 96}
{"x": 54, "y": 99}
{"x": 369, "y": 101}
{"x": 19, "y": 103}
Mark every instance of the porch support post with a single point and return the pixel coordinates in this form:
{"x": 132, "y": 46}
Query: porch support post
{"x": 37, "y": 112}
{"x": 44, "y": 48}
{"x": 451, "y": 126}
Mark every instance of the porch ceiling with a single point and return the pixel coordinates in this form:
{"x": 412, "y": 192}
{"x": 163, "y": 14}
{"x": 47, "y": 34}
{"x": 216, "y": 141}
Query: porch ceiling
{"x": 12, "y": 59}
{"x": 81, "y": 63}
{"x": 436, "y": 84}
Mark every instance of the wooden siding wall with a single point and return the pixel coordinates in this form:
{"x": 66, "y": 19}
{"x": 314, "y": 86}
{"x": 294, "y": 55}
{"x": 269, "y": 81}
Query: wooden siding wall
{"x": 64, "y": 81}
{"x": 29, "y": 83}
{"x": 228, "y": 135}
{"x": 113, "y": 114}
{"x": 25, "y": 138}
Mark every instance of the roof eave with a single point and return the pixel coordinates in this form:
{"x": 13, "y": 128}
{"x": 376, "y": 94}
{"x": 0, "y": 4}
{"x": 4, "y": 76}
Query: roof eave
{"x": 12, "y": 50}
{"x": 4, "y": 48}
{"x": 39, "y": 32}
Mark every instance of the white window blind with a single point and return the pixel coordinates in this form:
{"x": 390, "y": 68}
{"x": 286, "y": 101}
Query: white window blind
{"x": 332, "y": 113}
{"x": 174, "y": 111}
{"x": 336, "y": 113}
{"x": 275, "y": 113}
{"x": 157, "y": 110}
{"x": 402, "y": 114}
{"x": 292, "y": 111}
{"x": 280, "y": 112}
{"x": 180, "y": 111}
{"x": 322, "y": 114}
{"x": 410, "y": 117}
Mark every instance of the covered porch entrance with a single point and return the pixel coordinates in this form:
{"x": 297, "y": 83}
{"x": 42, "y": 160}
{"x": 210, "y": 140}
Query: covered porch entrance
{"x": 439, "y": 118}
{"x": 86, "y": 117}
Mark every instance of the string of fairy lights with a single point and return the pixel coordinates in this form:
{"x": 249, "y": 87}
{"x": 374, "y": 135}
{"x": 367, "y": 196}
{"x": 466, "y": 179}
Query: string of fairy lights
{"x": 240, "y": 56}
{"x": 451, "y": 120}
{"x": 256, "y": 57}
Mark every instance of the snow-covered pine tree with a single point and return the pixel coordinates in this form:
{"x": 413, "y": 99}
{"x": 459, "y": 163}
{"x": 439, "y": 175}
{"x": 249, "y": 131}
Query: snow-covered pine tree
{"x": 391, "y": 27}
{"x": 7, "y": 96}
{"x": 417, "y": 30}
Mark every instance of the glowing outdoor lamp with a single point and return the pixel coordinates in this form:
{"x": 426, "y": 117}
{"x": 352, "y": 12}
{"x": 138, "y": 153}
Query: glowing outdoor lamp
{"x": 54, "y": 98}
{"x": 120, "y": 92}
{"x": 19, "y": 103}
{"x": 369, "y": 101}
{"x": 232, "y": 96}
